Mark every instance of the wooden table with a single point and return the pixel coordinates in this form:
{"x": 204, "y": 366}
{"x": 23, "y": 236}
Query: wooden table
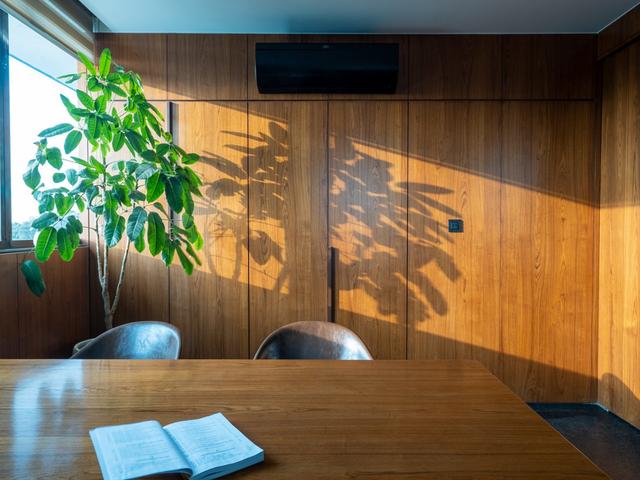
{"x": 314, "y": 419}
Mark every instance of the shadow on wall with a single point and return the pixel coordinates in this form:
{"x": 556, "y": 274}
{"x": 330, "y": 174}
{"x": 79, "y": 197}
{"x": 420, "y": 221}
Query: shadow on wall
{"x": 358, "y": 177}
{"x": 373, "y": 232}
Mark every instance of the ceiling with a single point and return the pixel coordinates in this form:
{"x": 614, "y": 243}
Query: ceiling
{"x": 358, "y": 16}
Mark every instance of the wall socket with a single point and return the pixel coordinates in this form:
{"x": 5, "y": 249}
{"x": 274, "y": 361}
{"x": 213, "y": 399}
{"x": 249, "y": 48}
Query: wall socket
{"x": 456, "y": 225}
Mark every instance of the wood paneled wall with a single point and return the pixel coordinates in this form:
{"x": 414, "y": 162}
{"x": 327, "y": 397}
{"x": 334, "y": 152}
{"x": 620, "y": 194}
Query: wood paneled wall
{"x": 47, "y": 326}
{"x": 620, "y": 33}
{"x": 495, "y": 130}
{"x": 619, "y": 272}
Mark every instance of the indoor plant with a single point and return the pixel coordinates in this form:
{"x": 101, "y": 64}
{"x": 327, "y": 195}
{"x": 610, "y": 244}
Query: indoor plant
{"x": 124, "y": 196}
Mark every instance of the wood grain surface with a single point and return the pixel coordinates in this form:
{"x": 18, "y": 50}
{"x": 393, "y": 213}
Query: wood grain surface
{"x": 314, "y": 419}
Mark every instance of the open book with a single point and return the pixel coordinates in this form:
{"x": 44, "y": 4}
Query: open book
{"x": 205, "y": 448}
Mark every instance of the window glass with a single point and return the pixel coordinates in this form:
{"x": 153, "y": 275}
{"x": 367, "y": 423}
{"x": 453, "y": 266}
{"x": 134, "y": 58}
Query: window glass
{"x": 34, "y": 104}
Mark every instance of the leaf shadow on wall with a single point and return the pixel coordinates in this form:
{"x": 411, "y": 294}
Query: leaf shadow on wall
{"x": 368, "y": 217}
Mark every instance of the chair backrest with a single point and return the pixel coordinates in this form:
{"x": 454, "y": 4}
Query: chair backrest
{"x": 136, "y": 341}
{"x": 313, "y": 340}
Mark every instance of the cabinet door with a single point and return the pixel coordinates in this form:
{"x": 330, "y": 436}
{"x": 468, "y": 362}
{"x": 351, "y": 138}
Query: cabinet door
{"x": 454, "y": 298}
{"x": 207, "y": 67}
{"x": 547, "y": 250}
{"x": 210, "y": 306}
{"x": 287, "y": 163}
{"x": 145, "y": 54}
{"x": 367, "y": 221}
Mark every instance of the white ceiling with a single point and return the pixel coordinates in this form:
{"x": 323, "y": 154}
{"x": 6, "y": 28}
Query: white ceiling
{"x": 358, "y": 16}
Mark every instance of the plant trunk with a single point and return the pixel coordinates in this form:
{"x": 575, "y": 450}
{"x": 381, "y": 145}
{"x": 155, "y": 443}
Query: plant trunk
{"x": 108, "y": 320}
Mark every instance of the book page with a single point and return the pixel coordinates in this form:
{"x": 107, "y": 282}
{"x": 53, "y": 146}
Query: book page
{"x": 136, "y": 450}
{"x": 213, "y": 443}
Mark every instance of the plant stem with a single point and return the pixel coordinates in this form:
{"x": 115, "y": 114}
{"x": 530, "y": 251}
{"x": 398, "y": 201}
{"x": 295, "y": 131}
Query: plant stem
{"x": 116, "y": 298}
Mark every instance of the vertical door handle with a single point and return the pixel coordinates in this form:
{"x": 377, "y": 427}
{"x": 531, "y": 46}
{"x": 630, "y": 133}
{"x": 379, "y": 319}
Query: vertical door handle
{"x": 333, "y": 290}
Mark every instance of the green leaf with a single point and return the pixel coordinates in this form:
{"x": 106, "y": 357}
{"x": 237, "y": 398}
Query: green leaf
{"x": 145, "y": 171}
{"x": 80, "y": 204}
{"x": 187, "y": 200}
{"x": 135, "y": 224}
{"x": 54, "y": 157}
{"x": 139, "y": 243}
{"x": 113, "y": 230}
{"x": 85, "y": 99}
{"x": 156, "y": 235}
{"x": 45, "y": 244}
{"x": 93, "y": 85}
{"x": 72, "y": 176}
{"x": 63, "y": 203}
{"x": 155, "y": 187}
{"x": 32, "y": 177}
{"x": 121, "y": 193}
{"x": 173, "y": 191}
{"x": 46, "y": 204}
{"x": 193, "y": 254}
{"x": 45, "y": 220}
{"x": 105, "y": 62}
{"x": 101, "y": 103}
{"x": 70, "y": 78}
{"x": 137, "y": 195}
{"x": 57, "y": 130}
{"x": 72, "y": 141}
{"x": 33, "y": 276}
{"x": 117, "y": 90}
{"x": 87, "y": 63}
{"x": 92, "y": 127}
{"x": 65, "y": 247}
{"x": 70, "y": 107}
{"x": 162, "y": 149}
{"x": 135, "y": 140}
{"x": 97, "y": 165}
{"x": 190, "y": 158}
{"x": 73, "y": 236}
{"x": 118, "y": 141}
{"x": 167, "y": 253}
{"x": 75, "y": 224}
{"x": 187, "y": 220}
{"x": 59, "y": 177}
{"x": 187, "y": 265}
{"x": 198, "y": 242}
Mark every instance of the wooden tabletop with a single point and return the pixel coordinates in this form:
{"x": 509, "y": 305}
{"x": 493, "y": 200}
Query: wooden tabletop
{"x": 314, "y": 419}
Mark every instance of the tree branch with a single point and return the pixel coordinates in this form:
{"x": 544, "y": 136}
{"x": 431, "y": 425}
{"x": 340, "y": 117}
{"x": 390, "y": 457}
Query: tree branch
{"x": 116, "y": 298}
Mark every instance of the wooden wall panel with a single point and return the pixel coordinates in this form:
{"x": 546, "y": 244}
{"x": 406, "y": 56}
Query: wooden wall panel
{"x": 9, "y": 319}
{"x": 547, "y": 250}
{"x": 619, "y": 33}
{"x": 367, "y": 220}
{"x": 207, "y": 67}
{"x": 536, "y": 205}
{"x": 145, "y": 54}
{"x": 210, "y": 307}
{"x": 50, "y": 325}
{"x": 287, "y": 215}
{"x": 454, "y": 278}
{"x": 455, "y": 67}
{"x": 548, "y": 66}
{"x": 619, "y": 277}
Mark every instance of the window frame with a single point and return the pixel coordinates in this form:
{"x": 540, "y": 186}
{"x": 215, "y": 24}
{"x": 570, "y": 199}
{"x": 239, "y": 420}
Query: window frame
{"x": 7, "y": 243}
{"x": 6, "y": 240}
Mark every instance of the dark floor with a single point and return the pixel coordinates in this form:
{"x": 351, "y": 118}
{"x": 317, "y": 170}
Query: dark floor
{"x": 611, "y": 443}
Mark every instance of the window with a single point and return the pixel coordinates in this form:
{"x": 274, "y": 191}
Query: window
{"x": 29, "y": 83}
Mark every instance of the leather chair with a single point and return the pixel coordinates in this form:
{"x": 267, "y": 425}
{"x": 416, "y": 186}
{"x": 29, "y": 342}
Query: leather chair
{"x": 135, "y": 341}
{"x": 313, "y": 340}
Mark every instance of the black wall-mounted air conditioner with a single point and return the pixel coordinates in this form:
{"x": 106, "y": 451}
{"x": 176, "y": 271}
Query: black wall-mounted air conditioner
{"x": 327, "y": 67}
